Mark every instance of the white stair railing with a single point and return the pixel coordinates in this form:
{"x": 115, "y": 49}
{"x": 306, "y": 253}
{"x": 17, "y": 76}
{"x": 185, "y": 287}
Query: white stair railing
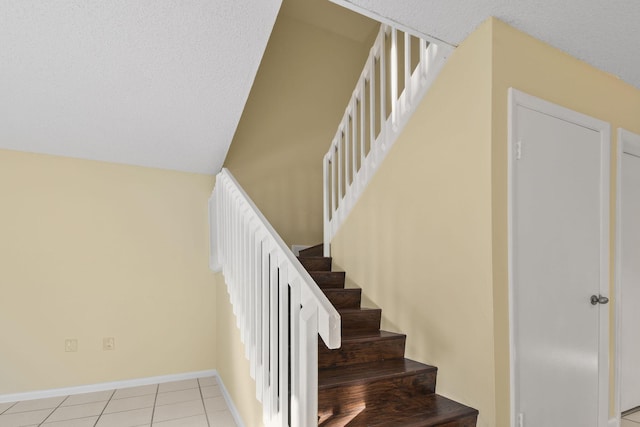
{"x": 399, "y": 71}
{"x": 279, "y": 309}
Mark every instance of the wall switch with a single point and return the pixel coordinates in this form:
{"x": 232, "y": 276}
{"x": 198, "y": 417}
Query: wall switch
{"x": 71, "y": 345}
{"x": 108, "y": 343}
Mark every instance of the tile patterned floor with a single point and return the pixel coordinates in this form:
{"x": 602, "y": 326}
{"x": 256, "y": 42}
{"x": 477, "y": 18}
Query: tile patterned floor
{"x": 189, "y": 403}
{"x": 631, "y": 420}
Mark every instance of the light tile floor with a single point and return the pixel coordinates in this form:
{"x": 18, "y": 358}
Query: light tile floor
{"x": 189, "y": 403}
{"x": 631, "y": 420}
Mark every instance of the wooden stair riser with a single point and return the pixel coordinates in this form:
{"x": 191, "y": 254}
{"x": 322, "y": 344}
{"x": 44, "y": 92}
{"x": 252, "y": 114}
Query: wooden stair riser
{"x": 315, "y": 263}
{"x": 361, "y": 321}
{"x": 463, "y": 421}
{"x": 469, "y": 421}
{"x": 378, "y": 393}
{"x": 328, "y": 279}
{"x": 389, "y": 418}
{"x": 426, "y": 411}
{"x": 317, "y": 250}
{"x": 362, "y": 350}
{"x": 344, "y": 298}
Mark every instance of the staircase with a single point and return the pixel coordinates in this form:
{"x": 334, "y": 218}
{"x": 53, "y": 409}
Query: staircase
{"x": 368, "y": 381}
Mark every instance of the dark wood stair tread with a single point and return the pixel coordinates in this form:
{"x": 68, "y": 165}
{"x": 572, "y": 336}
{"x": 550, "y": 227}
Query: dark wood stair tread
{"x": 316, "y": 250}
{"x": 358, "y": 321}
{"x": 328, "y": 279}
{"x": 367, "y": 372}
{"x": 363, "y": 348}
{"x": 368, "y": 382}
{"x": 315, "y": 263}
{"x": 368, "y": 336}
{"x": 342, "y": 298}
{"x": 377, "y": 384}
{"x": 428, "y": 411}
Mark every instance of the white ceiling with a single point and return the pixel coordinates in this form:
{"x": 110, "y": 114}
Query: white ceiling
{"x": 162, "y": 83}
{"x": 605, "y": 34}
{"x": 158, "y": 83}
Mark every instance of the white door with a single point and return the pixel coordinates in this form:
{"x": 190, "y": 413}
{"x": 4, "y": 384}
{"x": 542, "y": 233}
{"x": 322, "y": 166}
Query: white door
{"x": 630, "y": 274}
{"x": 559, "y": 260}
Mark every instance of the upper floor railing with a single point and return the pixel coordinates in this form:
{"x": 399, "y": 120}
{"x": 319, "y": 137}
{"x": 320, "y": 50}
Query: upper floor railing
{"x": 398, "y": 73}
{"x": 279, "y": 309}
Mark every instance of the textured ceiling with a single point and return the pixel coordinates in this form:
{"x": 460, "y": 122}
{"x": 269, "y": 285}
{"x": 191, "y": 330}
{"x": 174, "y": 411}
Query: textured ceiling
{"x": 158, "y": 83}
{"x": 332, "y": 18}
{"x": 605, "y": 34}
{"x": 162, "y": 83}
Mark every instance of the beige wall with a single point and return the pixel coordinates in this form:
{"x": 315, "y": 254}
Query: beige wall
{"x": 233, "y": 367}
{"x": 437, "y": 260}
{"x": 300, "y": 93}
{"x": 419, "y": 240}
{"x": 531, "y": 66}
{"x": 91, "y": 250}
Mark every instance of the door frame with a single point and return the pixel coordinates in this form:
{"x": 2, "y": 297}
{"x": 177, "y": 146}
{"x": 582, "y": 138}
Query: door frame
{"x": 517, "y": 99}
{"x": 626, "y": 141}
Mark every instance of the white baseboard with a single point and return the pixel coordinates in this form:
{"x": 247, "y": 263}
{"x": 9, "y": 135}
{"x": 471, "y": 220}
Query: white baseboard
{"x": 230, "y": 404}
{"x": 67, "y": 391}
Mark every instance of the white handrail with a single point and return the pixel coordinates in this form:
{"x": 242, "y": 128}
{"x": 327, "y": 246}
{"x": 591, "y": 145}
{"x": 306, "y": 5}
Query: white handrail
{"x": 279, "y": 309}
{"x": 345, "y": 180}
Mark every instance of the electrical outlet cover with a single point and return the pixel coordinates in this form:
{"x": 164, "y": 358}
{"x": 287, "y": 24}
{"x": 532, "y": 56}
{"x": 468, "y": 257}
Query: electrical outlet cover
{"x": 108, "y": 343}
{"x": 71, "y": 345}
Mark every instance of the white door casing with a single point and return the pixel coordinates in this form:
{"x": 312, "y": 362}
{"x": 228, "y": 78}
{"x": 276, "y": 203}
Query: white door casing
{"x": 558, "y": 258}
{"x": 628, "y": 270}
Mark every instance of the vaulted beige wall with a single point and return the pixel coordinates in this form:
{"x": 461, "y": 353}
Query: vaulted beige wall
{"x": 419, "y": 240}
{"x": 302, "y": 88}
{"x": 91, "y": 250}
{"x": 300, "y": 93}
{"x": 428, "y": 240}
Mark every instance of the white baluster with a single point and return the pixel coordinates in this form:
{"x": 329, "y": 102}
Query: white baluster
{"x": 296, "y": 419}
{"x": 273, "y": 334}
{"x": 334, "y": 182}
{"x": 242, "y": 274}
{"x": 407, "y": 71}
{"x": 340, "y": 166}
{"x": 253, "y": 263}
{"x": 423, "y": 59}
{"x": 266, "y": 275}
{"x": 363, "y": 105}
{"x": 283, "y": 351}
{"x": 348, "y": 124}
{"x": 394, "y": 78}
{"x": 372, "y": 109}
{"x": 326, "y": 213}
{"x": 383, "y": 83}
{"x": 309, "y": 364}
{"x": 354, "y": 135}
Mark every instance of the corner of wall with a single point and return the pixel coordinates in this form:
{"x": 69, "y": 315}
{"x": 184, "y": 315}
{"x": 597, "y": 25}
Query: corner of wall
{"x": 419, "y": 239}
{"x": 233, "y": 367}
{"x": 94, "y": 249}
{"x": 302, "y": 88}
{"x": 499, "y": 250}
